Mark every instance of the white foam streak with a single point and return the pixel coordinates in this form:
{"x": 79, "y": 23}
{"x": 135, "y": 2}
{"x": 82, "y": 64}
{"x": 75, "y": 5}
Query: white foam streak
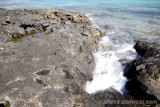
{"x": 108, "y": 71}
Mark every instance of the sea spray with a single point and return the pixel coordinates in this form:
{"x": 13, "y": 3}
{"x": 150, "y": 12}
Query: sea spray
{"x": 108, "y": 72}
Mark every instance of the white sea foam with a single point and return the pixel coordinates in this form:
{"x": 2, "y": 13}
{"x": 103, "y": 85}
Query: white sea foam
{"x": 108, "y": 71}
{"x": 89, "y": 15}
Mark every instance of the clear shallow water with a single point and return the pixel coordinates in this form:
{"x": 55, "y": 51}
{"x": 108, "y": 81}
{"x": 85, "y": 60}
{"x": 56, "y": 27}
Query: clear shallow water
{"x": 123, "y": 20}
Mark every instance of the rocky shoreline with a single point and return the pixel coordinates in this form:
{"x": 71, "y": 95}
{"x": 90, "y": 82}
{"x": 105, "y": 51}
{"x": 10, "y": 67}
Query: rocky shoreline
{"x": 46, "y": 59}
{"x": 144, "y": 72}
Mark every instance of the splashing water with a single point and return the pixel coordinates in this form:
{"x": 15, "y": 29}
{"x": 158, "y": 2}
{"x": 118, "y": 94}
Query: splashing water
{"x": 108, "y": 71}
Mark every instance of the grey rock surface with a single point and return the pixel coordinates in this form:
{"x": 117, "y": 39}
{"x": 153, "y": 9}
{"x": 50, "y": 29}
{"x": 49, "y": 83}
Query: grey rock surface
{"x": 46, "y": 59}
{"x": 146, "y": 69}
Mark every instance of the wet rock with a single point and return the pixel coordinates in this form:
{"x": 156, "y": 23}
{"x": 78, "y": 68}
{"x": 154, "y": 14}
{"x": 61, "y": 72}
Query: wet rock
{"x": 145, "y": 71}
{"x": 147, "y": 49}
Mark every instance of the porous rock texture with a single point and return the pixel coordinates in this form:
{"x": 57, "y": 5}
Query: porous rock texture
{"x": 46, "y": 58}
{"x": 145, "y": 70}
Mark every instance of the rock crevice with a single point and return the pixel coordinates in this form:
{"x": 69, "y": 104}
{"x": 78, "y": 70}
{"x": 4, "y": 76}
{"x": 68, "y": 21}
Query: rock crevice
{"x": 144, "y": 72}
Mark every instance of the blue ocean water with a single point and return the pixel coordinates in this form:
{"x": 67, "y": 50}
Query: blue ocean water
{"x": 124, "y": 21}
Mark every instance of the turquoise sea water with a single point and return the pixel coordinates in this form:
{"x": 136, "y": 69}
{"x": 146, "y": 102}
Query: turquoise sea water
{"x": 124, "y": 21}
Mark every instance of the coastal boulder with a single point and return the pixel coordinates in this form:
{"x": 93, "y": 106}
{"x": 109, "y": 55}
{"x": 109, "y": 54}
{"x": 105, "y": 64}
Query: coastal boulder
{"x": 145, "y": 70}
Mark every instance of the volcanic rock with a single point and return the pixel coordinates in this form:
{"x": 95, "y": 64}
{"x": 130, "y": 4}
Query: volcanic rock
{"x": 145, "y": 71}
